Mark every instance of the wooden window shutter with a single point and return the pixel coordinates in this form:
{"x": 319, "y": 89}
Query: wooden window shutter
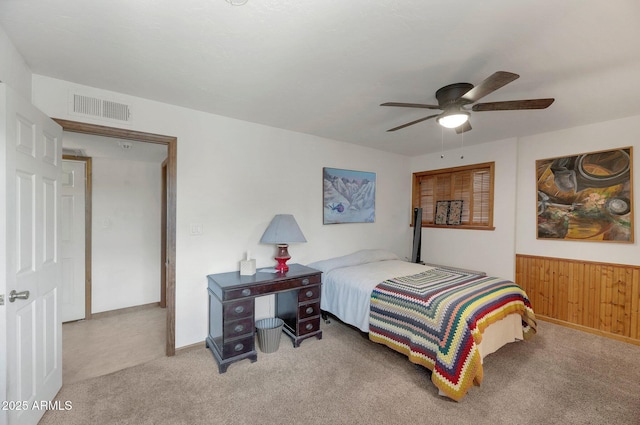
{"x": 471, "y": 184}
{"x": 481, "y": 192}
{"x": 462, "y": 191}
{"x": 426, "y": 199}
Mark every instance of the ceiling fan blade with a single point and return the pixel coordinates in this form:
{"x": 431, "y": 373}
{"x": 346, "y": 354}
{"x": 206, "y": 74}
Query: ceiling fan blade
{"x": 491, "y": 84}
{"x": 410, "y": 105}
{"x": 513, "y": 105}
{"x": 463, "y": 128}
{"x": 412, "y": 122}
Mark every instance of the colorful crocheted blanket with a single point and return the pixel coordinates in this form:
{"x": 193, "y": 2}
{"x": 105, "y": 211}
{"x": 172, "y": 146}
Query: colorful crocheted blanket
{"x": 437, "y": 318}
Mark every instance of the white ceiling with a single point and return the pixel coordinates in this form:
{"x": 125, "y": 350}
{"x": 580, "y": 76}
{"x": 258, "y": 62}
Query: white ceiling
{"x": 323, "y": 66}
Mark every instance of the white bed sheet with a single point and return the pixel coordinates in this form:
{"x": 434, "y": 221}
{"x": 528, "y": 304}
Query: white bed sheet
{"x": 346, "y": 293}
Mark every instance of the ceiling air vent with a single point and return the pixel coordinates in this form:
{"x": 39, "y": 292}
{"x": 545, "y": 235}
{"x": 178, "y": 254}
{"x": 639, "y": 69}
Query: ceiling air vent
{"x": 100, "y": 108}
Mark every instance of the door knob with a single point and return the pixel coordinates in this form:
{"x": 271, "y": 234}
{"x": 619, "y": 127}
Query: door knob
{"x": 13, "y": 295}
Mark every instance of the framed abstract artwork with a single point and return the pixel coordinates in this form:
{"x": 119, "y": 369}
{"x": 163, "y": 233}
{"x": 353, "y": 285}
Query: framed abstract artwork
{"x": 442, "y": 212}
{"x": 348, "y": 196}
{"x": 455, "y": 213}
{"x": 586, "y": 197}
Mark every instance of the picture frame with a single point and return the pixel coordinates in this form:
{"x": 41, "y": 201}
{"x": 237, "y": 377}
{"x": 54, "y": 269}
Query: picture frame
{"x": 442, "y": 212}
{"x": 349, "y": 196}
{"x": 586, "y": 197}
{"x": 455, "y": 213}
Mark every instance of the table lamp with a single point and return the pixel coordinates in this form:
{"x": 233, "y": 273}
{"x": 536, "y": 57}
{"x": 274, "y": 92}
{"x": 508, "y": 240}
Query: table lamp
{"x": 282, "y": 231}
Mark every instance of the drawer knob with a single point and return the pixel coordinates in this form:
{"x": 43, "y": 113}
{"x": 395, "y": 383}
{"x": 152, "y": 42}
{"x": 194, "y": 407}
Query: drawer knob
{"x": 238, "y": 328}
{"x": 239, "y": 309}
{"x": 309, "y": 310}
{"x": 305, "y": 281}
{"x": 246, "y": 292}
{"x": 309, "y": 294}
{"x": 309, "y": 326}
{"x": 238, "y": 347}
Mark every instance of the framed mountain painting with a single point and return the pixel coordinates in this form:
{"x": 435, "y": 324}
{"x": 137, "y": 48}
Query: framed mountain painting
{"x": 348, "y": 196}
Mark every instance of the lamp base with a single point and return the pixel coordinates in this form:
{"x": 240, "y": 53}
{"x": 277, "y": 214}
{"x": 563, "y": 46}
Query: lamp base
{"x": 282, "y": 258}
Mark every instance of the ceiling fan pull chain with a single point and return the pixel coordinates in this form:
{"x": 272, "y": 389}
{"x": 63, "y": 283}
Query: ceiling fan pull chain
{"x": 462, "y": 144}
{"x": 441, "y": 142}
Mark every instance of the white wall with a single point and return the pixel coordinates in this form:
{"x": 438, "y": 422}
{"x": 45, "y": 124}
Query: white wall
{"x": 13, "y": 69}
{"x": 491, "y": 251}
{"x": 234, "y": 176}
{"x": 126, "y": 233}
{"x": 595, "y": 137}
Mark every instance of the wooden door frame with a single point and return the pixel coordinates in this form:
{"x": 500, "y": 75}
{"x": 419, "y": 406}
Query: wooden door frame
{"x": 88, "y": 194}
{"x": 172, "y": 152}
{"x": 163, "y": 236}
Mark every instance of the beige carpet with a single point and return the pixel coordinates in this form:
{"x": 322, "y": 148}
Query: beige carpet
{"x": 112, "y": 341}
{"x": 561, "y": 376}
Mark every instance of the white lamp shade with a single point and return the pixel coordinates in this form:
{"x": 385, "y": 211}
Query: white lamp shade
{"x": 453, "y": 120}
{"x": 283, "y": 229}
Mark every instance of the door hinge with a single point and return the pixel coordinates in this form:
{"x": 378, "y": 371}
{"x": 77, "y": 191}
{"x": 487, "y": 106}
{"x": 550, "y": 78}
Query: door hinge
{"x": 2, "y": 299}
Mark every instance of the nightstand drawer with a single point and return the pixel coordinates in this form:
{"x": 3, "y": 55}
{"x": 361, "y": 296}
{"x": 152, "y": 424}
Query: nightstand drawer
{"x": 309, "y": 280}
{"x": 271, "y": 287}
{"x": 239, "y": 346}
{"x": 238, "y": 309}
{"x": 308, "y": 310}
{"x": 308, "y": 326}
{"x": 239, "y": 293}
{"x": 310, "y": 293}
{"x": 236, "y": 328}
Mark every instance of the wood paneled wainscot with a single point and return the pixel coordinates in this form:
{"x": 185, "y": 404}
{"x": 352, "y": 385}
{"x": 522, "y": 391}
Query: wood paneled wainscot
{"x": 600, "y": 298}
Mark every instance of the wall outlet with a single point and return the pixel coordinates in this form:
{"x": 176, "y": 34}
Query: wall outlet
{"x": 196, "y": 229}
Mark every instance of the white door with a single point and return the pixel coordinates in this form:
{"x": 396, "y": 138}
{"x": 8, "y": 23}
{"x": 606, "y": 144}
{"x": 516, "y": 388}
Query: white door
{"x": 72, "y": 240}
{"x": 30, "y": 168}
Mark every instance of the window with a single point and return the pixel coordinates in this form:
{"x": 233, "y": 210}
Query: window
{"x": 472, "y": 184}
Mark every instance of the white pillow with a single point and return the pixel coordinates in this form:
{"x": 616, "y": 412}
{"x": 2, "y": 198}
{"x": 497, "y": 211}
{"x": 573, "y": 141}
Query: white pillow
{"x": 358, "y": 257}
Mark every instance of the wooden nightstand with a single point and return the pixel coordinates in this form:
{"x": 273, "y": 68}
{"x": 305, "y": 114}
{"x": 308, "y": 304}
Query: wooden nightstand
{"x": 231, "y": 310}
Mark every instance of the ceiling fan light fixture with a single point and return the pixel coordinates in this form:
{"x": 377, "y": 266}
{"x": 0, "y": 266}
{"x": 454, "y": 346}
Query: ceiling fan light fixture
{"x": 453, "y": 119}
{"x": 455, "y": 100}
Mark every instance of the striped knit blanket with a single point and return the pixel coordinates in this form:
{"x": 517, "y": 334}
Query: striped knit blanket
{"x": 437, "y": 318}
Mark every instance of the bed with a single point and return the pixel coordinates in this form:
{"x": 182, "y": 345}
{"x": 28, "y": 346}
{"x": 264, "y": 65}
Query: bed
{"x": 445, "y": 319}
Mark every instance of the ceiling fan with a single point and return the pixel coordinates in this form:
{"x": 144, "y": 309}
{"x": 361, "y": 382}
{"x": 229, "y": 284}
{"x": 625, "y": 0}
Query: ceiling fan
{"x": 454, "y": 98}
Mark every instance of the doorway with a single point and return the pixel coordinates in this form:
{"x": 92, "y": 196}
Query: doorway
{"x": 169, "y": 213}
{"x": 76, "y": 237}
